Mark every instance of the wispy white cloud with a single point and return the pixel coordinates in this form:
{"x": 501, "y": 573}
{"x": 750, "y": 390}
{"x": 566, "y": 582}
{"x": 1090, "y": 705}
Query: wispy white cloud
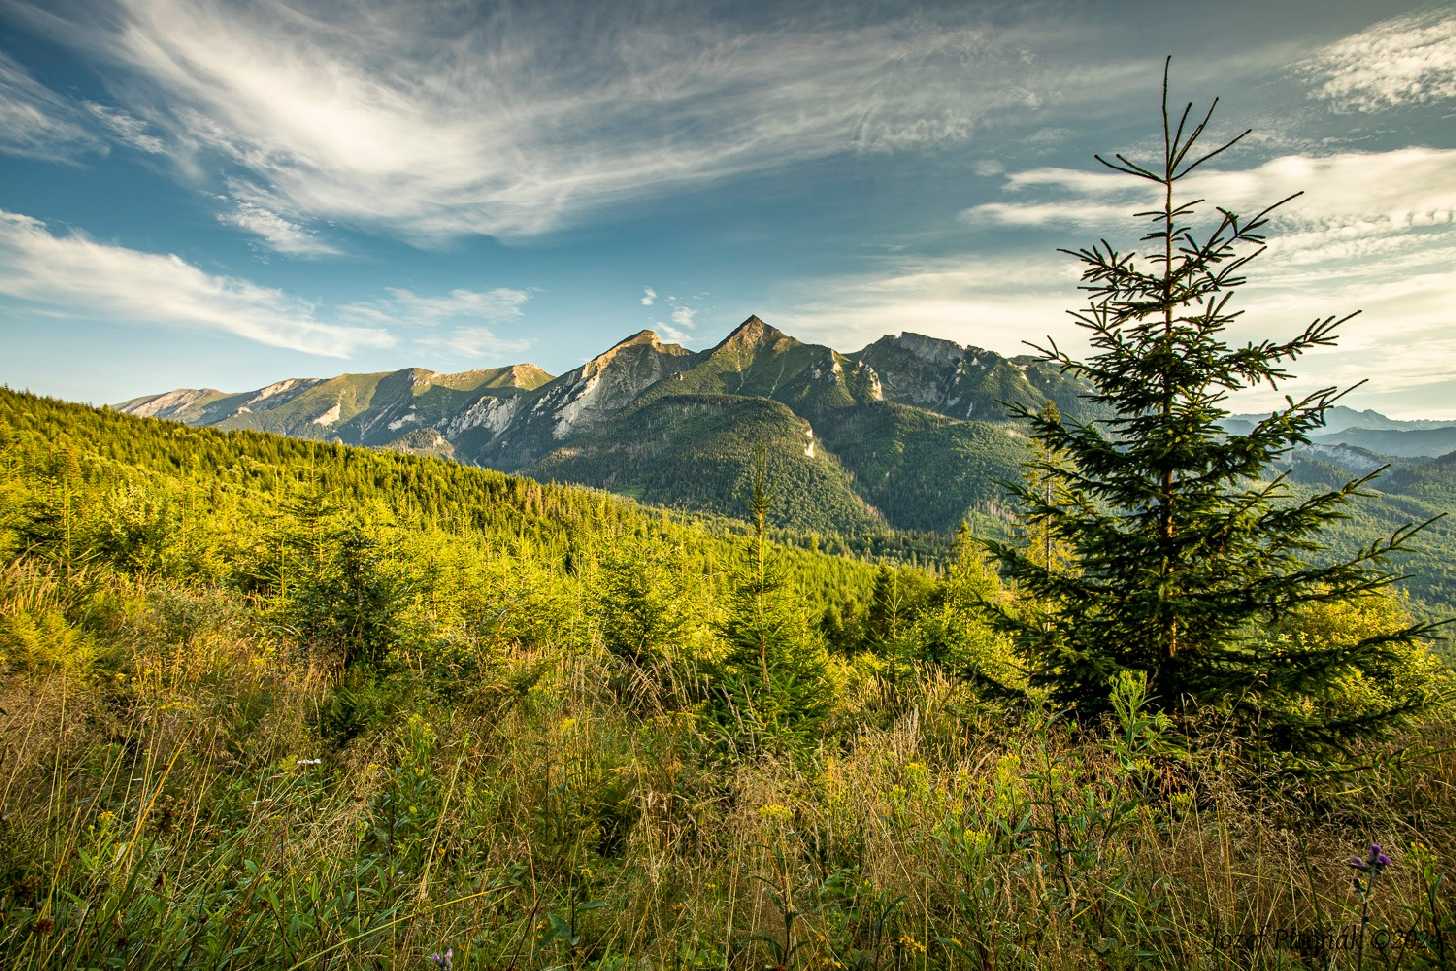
{"x": 1354, "y": 203}
{"x": 127, "y": 128}
{"x": 995, "y": 303}
{"x": 77, "y": 275}
{"x": 37, "y": 122}
{"x": 407, "y": 309}
{"x": 279, "y": 233}
{"x": 684, "y": 316}
{"x": 1047, "y": 213}
{"x": 1402, "y": 61}
{"x": 445, "y": 123}
{"x": 683, "y": 322}
{"x": 472, "y": 342}
{"x": 671, "y": 332}
{"x": 649, "y": 296}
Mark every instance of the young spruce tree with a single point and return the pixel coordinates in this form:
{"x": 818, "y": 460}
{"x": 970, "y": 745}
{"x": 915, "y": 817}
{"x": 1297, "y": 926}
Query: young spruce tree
{"x": 774, "y": 692}
{"x": 1186, "y": 548}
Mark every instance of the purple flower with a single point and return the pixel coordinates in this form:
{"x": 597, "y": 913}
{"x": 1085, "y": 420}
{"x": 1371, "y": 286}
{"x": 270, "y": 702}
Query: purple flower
{"x": 443, "y": 960}
{"x": 1375, "y": 862}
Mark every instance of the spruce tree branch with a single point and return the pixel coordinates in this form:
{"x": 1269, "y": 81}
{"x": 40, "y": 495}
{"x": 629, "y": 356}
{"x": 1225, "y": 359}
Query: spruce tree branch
{"x": 1213, "y": 154}
{"x": 1128, "y": 167}
{"x": 1194, "y": 136}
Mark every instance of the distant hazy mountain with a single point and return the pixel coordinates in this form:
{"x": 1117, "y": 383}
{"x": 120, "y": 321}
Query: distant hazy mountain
{"x": 908, "y": 432}
{"x": 1341, "y": 418}
{"x": 1371, "y": 430}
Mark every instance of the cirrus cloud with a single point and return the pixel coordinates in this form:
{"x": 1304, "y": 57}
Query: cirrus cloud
{"x": 36, "y": 122}
{"x": 473, "y": 342}
{"x": 442, "y": 122}
{"x": 1402, "y": 61}
{"x": 127, "y": 128}
{"x": 406, "y": 308}
{"x": 278, "y": 233}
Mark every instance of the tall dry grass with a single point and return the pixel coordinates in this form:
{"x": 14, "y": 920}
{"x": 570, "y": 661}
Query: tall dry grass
{"x": 160, "y": 806}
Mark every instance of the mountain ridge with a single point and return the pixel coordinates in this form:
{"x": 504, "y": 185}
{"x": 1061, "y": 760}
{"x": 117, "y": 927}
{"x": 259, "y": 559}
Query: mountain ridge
{"x": 909, "y": 432}
{"x": 656, "y": 420}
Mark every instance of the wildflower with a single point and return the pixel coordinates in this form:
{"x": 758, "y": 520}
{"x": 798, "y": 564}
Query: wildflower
{"x": 908, "y": 943}
{"x": 445, "y": 959}
{"x": 1370, "y": 868}
{"x": 776, "y": 812}
{"x": 1375, "y": 861}
{"x": 307, "y": 762}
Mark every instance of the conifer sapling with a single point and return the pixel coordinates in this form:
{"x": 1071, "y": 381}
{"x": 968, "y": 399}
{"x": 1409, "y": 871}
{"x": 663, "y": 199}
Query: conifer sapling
{"x": 1185, "y": 547}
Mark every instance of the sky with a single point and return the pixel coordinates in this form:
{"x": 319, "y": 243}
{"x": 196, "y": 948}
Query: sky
{"x": 198, "y": 193}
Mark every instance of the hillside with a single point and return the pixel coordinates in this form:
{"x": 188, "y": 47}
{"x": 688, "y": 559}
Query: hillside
{"x": 246, "y": 479}
{"x": 384, "y": 408}
{"x": 273, "y": 702}
{"x": 1409, "y": 491}
{"x": 691, "y": 451}
{"x": 1401, "y": 443}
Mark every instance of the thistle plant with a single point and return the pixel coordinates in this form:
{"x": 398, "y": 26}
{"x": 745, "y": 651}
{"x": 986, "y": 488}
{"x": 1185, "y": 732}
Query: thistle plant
{"x": 1367, "y": 871}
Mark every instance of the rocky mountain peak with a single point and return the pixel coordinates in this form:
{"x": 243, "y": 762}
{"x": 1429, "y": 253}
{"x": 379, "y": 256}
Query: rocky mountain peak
{"x": 753, "y": 332}
{"x": 933, "y": 350}
{"x": 528, "y": 376}
{"x": 168, "y": 404}
{"x": 644, "y": 341}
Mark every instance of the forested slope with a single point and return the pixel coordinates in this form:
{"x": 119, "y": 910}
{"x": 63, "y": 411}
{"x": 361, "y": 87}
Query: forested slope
{"x": 227, "y": 487}
{"x": 267, "y": 702}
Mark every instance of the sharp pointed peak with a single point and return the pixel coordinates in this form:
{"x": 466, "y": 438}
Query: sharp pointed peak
{"x": 755, "y": 323}
{"x": 752, "y": 331}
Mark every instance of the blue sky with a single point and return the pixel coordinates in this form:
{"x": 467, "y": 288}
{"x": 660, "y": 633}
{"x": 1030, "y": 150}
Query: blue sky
{"x": 208, "y": 194}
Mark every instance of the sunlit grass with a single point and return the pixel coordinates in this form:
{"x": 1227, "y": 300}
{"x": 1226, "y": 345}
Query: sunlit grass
{"x": 162, "y": 808}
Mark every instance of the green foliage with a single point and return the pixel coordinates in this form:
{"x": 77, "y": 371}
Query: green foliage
{"x": 951, "y": 634}
{"x": 341, "y": 597}
{"x": 773, "y": 694}
{"x": 655, "y": 620}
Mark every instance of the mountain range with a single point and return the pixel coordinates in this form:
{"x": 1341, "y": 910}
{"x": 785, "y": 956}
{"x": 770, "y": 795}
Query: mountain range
{"x": 849, "y": 437}
{"x": 910, "y": 432}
